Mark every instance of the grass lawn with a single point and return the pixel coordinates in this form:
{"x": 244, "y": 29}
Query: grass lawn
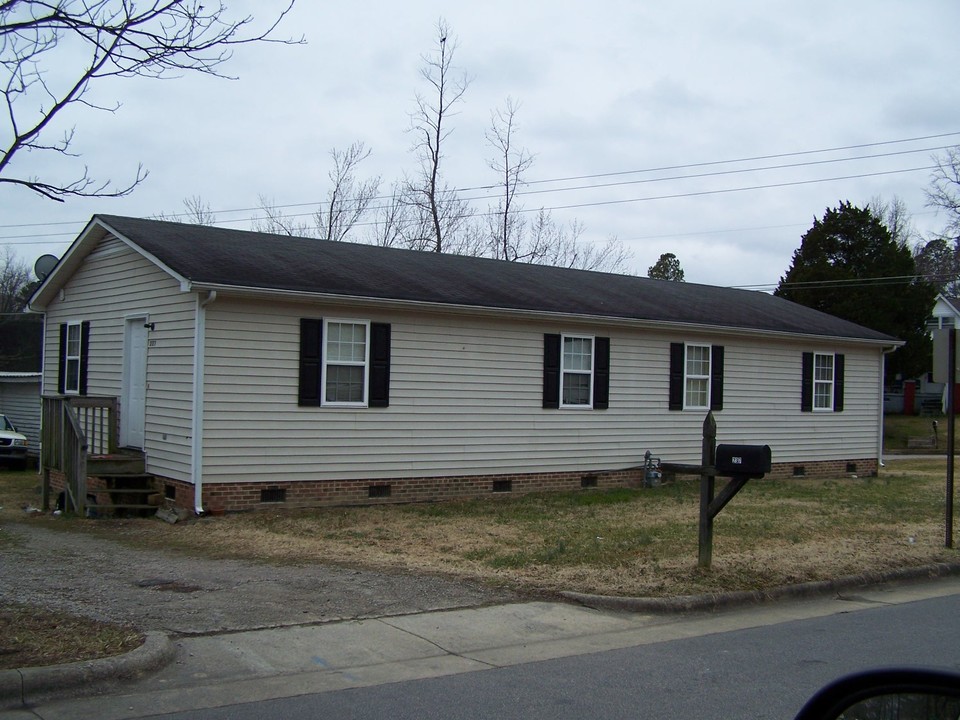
{"x": 897, "y": 429}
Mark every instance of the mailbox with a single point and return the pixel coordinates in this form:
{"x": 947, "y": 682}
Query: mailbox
{"x": 752, "y": 461}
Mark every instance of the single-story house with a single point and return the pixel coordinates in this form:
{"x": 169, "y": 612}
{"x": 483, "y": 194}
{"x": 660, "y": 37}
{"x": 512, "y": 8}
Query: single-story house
{"x": 20, "y": 402}
{"x": 252, "y": 368}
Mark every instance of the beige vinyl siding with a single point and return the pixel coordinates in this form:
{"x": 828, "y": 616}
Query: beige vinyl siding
{"x": 466, "y": 398}
{"x": 114, "y": 283}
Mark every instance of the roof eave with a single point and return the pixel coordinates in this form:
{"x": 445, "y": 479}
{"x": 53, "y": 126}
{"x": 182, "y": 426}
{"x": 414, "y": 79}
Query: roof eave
{"x": 94, "y": 232}
{"x": 524, "y": 314}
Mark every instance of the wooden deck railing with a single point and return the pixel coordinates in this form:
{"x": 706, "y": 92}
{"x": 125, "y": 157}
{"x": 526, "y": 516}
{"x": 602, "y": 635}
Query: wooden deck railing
{"x": 72, "y": 429}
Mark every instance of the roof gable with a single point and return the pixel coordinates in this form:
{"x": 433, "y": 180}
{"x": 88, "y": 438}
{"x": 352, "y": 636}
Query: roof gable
{"x": 213, "y": 257}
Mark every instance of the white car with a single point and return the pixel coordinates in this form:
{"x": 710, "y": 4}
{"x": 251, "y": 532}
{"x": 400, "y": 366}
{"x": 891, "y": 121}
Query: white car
{"x": 13, "y": 445}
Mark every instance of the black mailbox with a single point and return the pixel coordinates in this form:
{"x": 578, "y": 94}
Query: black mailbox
{"x": 751, "y": 461}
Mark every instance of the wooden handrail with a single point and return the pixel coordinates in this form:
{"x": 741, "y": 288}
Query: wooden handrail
{"x": 69, "y": 427}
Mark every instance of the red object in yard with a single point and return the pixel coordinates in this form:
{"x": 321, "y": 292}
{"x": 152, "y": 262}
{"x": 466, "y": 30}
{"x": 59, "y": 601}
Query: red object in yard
{"x": 909, "y": 397}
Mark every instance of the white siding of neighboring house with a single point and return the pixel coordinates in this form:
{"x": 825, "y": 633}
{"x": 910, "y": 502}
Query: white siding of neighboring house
{"x": 113, "y": 283}
{"x": 20, "y": 402}
{"x": 466, "y": 399}
{"x": 943, "y": 315}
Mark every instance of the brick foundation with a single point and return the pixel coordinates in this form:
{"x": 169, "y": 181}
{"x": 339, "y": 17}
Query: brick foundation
{"x": 232, "y": 497}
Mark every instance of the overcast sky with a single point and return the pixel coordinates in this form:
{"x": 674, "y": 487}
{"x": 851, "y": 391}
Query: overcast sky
{"x": 609, "y": 92}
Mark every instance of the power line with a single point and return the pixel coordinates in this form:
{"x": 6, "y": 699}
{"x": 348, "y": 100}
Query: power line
{"x": 28, "y": 239}
{"x": 602, "y": 175}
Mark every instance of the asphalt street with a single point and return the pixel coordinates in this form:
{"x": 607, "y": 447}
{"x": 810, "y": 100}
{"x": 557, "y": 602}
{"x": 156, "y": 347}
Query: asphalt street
{"x": 546, "y": 660}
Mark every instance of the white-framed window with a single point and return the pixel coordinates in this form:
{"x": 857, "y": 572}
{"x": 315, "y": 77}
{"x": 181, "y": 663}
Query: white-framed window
{"x": 346, "y": 357}
{"x": 696, "y": 377}
{"x": 72, "y": 352}
{"x": 576, "y": 371}
{"x": 823, "y": 377}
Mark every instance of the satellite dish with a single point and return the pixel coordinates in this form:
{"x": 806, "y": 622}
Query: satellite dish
{"x": 43, "y": 265}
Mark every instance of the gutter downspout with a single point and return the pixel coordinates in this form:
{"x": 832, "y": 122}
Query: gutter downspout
{"x": 883, "y": 374}
{"x": 199, "y": 361}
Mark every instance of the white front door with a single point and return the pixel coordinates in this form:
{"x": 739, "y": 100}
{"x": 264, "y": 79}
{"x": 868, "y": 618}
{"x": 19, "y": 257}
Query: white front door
{"x": 133, "y": 401}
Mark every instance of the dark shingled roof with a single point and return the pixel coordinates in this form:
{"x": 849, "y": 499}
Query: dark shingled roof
{"x": 225, "y": 257}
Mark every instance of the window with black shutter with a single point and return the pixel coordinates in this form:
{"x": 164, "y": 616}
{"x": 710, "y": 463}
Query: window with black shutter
{"x": 576, "y": 371}
{"x": 696, "y": 377}
{"x": 344, "y": 363}
{"x": 821, "y": 388}
{"x": 74, "y": 355}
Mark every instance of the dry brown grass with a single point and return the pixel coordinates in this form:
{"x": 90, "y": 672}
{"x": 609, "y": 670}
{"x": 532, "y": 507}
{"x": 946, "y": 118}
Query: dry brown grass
{"x": 31, "y": 637}
{"x": 629, "y": 542}
{"x": 625, "y": 542}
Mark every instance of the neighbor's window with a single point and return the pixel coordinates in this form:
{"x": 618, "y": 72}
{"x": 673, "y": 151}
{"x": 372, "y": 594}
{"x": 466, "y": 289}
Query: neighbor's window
{"x": 576, "y": 370}
{"x": 345, "y": 361}
{"x": 822, "y": 382}
{"x": 697, "y": 377}
{"x": 71, "y": 358}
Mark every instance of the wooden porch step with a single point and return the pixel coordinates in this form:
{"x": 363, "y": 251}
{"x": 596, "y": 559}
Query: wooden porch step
{"x": 128, "y": 492}
{"x": 126, "y": 462}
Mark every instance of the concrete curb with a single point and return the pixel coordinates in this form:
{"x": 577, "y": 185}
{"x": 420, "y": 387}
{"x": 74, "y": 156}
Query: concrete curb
{"x": 27, "y": 686}
{"x": 721, "y": 601}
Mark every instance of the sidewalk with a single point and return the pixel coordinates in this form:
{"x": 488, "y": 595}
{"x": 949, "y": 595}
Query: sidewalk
{"x": 232, "y": 668}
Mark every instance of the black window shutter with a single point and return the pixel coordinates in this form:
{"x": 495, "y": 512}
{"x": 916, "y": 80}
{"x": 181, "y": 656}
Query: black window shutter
{"x": 84, "y": 354}
{"x": 677, "y": 355}
{"x": 378, "y": 394}
{"x": 716, "y": 377}
{"x": 838, "y": 382}
{"x": 551, "y": 371}
{"x": 806, "y": 385}
{"x": 601, "y": 373}
{"x": 62, "y": 366}
{"x": 311, "y": 344}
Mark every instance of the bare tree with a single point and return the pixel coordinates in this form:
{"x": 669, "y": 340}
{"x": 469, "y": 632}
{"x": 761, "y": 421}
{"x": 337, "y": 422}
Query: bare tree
{"x": 41, "y": 77}
{"x": 895, "y": 216}
{"x": 276, "y": 222}
{"x": 539, "y": 240}
{"x": 390, "y": 226}
{"x": 510, "y": 163}
{"x": 944, "y": 190}
{"x": 348, "y": 199}
{"x": 15, "y": 280}
{"x": 549, "y": 243}
{"x": 938, "y": 263}
{"x": 196, "y": 212}
{"x": 433, "y": 199}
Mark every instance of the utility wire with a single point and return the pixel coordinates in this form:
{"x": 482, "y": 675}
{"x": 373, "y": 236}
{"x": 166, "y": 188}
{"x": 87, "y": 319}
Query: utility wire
{"x": 608, "y": 174}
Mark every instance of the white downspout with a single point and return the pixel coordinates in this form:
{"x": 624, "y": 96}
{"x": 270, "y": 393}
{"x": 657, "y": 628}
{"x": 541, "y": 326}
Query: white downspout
{"x": 199, "y": 352}
{"x": 883, "y": 374}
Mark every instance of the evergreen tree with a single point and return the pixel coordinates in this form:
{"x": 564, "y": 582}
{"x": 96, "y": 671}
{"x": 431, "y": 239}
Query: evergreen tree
{"x": 666, "y": 268}
{"x": 848, "y": 265}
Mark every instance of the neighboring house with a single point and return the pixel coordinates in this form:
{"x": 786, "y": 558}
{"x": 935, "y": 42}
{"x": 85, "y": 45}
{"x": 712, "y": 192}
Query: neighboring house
{"x": 20, "y": 402}
{"x": 254, "y": 368}
{"x": 945, "y": 314}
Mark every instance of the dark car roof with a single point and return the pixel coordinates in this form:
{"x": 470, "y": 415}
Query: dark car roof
{"x": 224, "y": 257}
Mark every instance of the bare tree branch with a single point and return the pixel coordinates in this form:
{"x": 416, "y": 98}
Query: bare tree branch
{"x": 429, "y": 194}
{"x": 348, "y": 199}
{"x": 98, "y": 39}
{"x": 196, "y": 212}
{"x": 510, "y": 163}
{"x": 944, "y": 190}
{"x": 275, "y": 222}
